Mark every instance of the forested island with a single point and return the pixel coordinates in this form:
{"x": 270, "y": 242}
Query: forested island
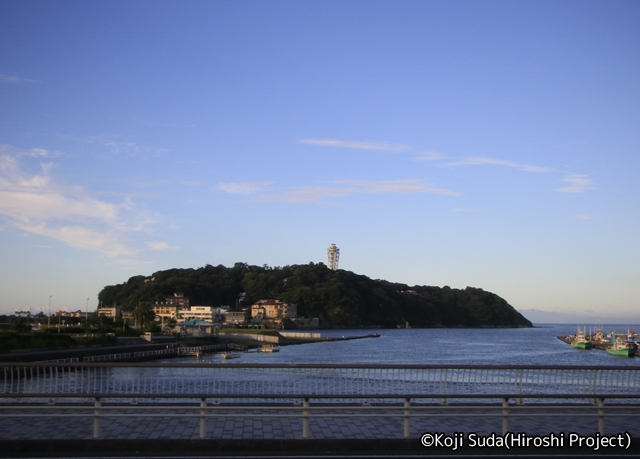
{"x": 338, "y": 298}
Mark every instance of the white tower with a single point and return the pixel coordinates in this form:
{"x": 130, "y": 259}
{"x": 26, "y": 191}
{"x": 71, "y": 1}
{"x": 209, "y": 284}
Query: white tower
{"x": 333, "y": 255}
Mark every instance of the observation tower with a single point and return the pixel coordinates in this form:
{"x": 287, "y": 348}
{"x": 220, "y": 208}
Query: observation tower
{"x": 333, "y": 255}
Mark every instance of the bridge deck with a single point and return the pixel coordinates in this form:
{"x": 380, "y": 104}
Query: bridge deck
{"x": 179, "y": 425}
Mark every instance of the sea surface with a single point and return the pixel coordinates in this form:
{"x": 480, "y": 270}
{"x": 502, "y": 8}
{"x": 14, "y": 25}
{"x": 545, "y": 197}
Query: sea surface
{"x": 436, "y": 346}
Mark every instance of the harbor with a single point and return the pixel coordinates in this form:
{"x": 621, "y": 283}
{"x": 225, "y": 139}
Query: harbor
{"x": 616, "y": 344}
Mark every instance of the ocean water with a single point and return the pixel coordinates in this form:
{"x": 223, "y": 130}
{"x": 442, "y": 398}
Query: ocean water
{"x": 454, "y": 346}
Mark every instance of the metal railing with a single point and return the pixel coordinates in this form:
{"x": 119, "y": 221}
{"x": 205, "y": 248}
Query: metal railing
{"x": 205, "y": 390}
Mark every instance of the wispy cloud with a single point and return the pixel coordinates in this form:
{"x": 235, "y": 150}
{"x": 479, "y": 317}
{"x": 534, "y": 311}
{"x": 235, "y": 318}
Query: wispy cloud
{"x": 583, "y": 217}
{"x": 315, "y": 195}
{"x": 105, "y": 242}
{"x": 32, "y": 202}
{"x": 430, "y": 156}
{"x": 15, "y": 79}
{"x": 243, "y": 187}
{"x": 483, "y": 161}
{"x": 12, "y": 152}
{"x": 577, "y": 184}
{"x": 360, "y": 145}
{"x": 158, "y": 245}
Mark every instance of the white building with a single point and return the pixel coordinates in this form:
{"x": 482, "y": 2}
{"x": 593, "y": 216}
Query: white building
{"x": 198, "y": 312}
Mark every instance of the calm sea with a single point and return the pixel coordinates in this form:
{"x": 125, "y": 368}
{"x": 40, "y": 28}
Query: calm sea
{"x": 520, "y": 346}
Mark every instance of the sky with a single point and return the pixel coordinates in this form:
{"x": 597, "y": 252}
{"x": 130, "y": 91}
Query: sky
{"x": 491, "y": 144}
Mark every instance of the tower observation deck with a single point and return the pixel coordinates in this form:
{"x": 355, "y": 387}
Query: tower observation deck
{"x": 333, "y": 256}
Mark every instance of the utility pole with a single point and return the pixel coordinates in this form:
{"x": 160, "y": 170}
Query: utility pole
{"x": 49, "y": 321}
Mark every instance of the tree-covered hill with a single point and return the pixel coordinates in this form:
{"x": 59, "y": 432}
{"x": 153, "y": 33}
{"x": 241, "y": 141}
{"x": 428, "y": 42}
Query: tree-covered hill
{"x": 339, "y": 298}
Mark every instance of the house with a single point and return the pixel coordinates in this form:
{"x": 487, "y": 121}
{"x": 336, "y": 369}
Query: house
{"x": 197, "y": 328}
{"x": 273, "y": 309}
{"x": 271, "y": 313}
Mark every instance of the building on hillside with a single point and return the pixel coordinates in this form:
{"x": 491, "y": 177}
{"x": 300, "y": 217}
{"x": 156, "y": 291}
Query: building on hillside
{"x": 272, "y": 312}
{"x": 333, "y": 256}
{"x": 166, "y": 311}
{"x": 235, "y": 316}
{"x": 198, "y": 312}
{"x": 177, "y": 298}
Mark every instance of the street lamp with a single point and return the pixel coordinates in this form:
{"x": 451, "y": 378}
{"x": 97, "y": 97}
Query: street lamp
{"x": 86, "y": 315}
{"x": 49, "y": 322}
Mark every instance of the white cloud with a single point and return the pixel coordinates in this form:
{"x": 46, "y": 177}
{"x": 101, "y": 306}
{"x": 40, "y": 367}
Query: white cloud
{"x": 583, "y": 217}
{"x": 482, "y": 161}
{"x": 314, "y": 195}
{"x": 33, "y": 203}
{"x": 577, "y": 184}
{"x": 243, "y": 187}
{"x": 362, "y": 145}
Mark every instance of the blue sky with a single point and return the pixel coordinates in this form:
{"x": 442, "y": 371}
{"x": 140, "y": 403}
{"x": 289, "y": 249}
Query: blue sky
{"x": 490, "y": 144}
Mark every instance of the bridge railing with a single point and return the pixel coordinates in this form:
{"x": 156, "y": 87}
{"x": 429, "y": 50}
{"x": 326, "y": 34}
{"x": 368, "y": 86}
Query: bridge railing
{"x": 204, "y": 391}
{"x": 255, "y": 379}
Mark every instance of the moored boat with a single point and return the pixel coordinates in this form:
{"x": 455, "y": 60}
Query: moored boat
{"x": 230, "y": 355}
{"x": 269, "y": 348}
{"x": 581, "y": 341}
{"x": 621, "y": 347}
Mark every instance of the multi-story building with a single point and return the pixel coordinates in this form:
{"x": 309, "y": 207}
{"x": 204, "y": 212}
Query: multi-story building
{"x": 172, "y": 306}
{"x": 167, "y": 311}
{"x": 198, "y": 312}
{"x": 179, "y": 299}
{"x": 235, "y": 316}
{"x": 273, "y": 309}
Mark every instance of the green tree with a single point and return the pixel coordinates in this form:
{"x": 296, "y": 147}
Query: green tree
{"x": 20, "y": 325}
{"x": 143, "y": 314}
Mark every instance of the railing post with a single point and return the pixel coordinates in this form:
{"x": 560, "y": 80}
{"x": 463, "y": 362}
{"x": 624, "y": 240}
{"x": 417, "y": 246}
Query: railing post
{"x": 96, "y": 417}
{"x": 505, "y": 416}
{"x": 203, "y": 417}
{"x": 601, "y": 416}
{"x": 305, "y": 418}
{"x": 407, "y": 405}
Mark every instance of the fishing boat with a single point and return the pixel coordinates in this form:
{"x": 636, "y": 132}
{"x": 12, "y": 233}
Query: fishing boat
{"x": 269, "y": 348}
{"x": 581, "y": 341}
{"x": 621, "y": 347}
